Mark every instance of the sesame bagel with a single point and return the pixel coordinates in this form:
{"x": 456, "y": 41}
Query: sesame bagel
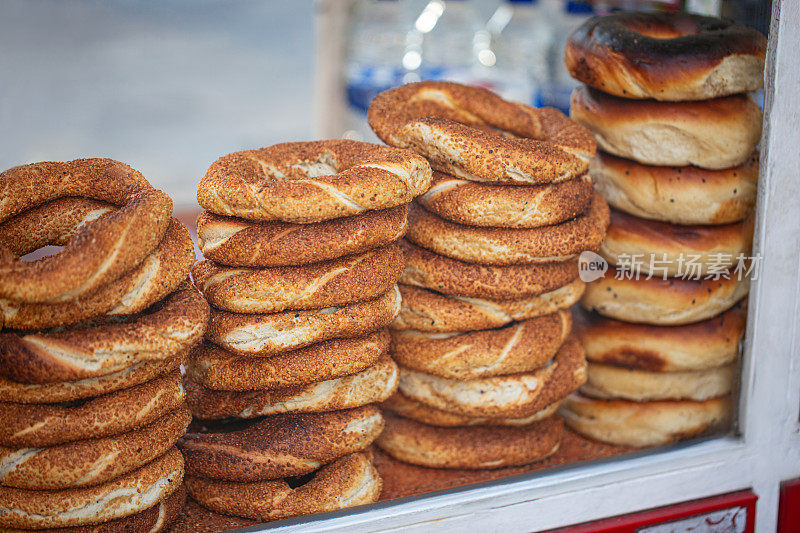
{"x": 69, "y": 391}
{"x": 160, "y": 273}
{"x": 669, "y": 250}
{"x": 50, "y": 424}
{"x": 126, "y": 495}
{"x": 216, "y": 368}
{"x": 347, "y": 482}
{"x": 239, "y": 242}
{"x": 641, "y": 424}
{"x": 506, "y": 206}
{"x": 156, "y": 519}
{"x": 519, "y": 347}
{"x": 474, "y": 134}
{"x": 501, "y": 246}
{"x": 425, "y": 310}
{"x": 304, "y": 182}
{"x": 195, "y": 518}
{"x": 511, "y": 396}
{"x": 680, "y": 195}
{"x": 458, "y": 278}
{"x": 93, "y": 461}
{"x": 607, "y": 381}
{"x": 271, "y": 333}
{"x": 667, "y": 56}
{"x": 279, "y": 446}
{"x": 469, "y": 447}
{"x": 342, "y": 281}
{"x": 50, "y": 223}
{"x": 707, "y": 344}
{"x": 167, "y": 328}
{"x": 371, "y": 385}
{"x": 663, "y": 302}
{"x": 712, "y": 134}
{"x": 406, "y": 407}
{"x": 103, "y": 248}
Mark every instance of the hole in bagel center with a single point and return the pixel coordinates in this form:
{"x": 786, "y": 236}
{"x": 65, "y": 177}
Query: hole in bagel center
{"x": 74, "y": 403}
{"x": 227, "y": 425}
{"x": 664, "y": 31}
{"x": 95, "y": 322}
{"x": 324, "y": 165}
{"x": 298, "y": 481}
{"x": 39, "y": 253}
{"x": 438, "y": 104}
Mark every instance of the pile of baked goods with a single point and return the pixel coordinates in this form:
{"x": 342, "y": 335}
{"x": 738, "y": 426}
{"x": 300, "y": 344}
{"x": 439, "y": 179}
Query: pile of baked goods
{"x": 321, "y": 315}
{"x": 483, "y": 338}
{"x": 301, "y": 272}
{"x": 91, "y": 399}
{"x": 665, "y": 96}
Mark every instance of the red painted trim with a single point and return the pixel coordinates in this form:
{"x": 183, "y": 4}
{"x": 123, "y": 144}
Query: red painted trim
{"x": 789, "y": 510}
{"x": 632, "y": 522}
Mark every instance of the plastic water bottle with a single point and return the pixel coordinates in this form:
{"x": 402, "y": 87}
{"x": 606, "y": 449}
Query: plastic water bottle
{"x": 522, "y": 36}
{"x": 445, "y": 34}
{"x": 557, "y": 94}
{"x": 375, "y": 51}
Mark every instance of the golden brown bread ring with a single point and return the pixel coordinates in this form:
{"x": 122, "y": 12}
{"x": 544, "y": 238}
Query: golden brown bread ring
{"x": 667, "y": 56}
{"x": 402, "y": 479}
{"x": 469, "y": 447}
{"x": 509, "y": 246}
{"x": 518, "y": 347}
{"x": 371, "y": 385}
{"x": 342, "y": 281}
{"x": 51, "y": 223}
{"x": 100, "y": 251}
{"x": 50, "y": 424}
{"x": 616, "y": 382}
{"x": 406, "y": 407}
{"x": 279, "y": 446}
{"x": 506, "y": 206}
{"x": 215, "y": 368}
{"x": 708, "y": 344}
{"x": 712, "y": 134}
{"x": 272, "y": 333}
{"x": 663, "y": 302}
{"x": 458, "y": 278}
{"x": 160, "y": 273}
{"x": 239, "y": 242}
{"x": 92, "y": 461}
{"x": 171, "y": 326}
{"x": 195, "y": 518}
{"x": 68, "y": 391}
{"x": 347, "y": 482}
{"x": 126, "y": 495}
{"x": 639, "y": 424}
{"x": 305, "y": 182}
{"x": 680, "y": 195}
{"x": 464, "y": 131}
{"x": 512, "y": 396}
{"x": 156, "y": 519}
{"x": 668, "y": 250}
{"x": 425, "y": 310}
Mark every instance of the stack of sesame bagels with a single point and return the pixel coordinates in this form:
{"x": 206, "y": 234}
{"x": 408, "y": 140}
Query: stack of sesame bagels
{"x": 301, "y": 272}
{"x": 665, "y": 96}
{"x": 91, "y": 398}
{"x": 483, "y": 337}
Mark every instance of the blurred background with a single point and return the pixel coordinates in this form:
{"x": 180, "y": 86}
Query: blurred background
{"x": 170, "y": 86}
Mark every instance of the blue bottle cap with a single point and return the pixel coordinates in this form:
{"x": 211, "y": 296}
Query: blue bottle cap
{"x": 577, "y": 7}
